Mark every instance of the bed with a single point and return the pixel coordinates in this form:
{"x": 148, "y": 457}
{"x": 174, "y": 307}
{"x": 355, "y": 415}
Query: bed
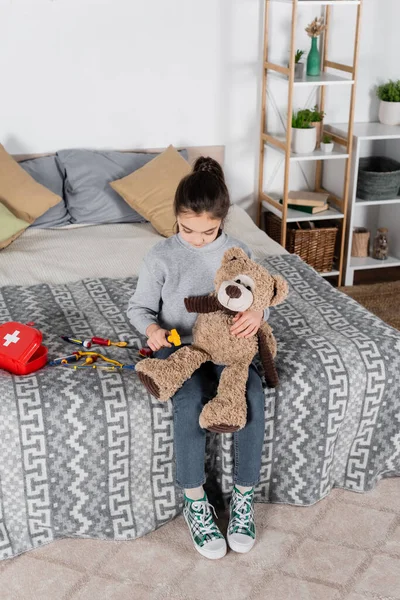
{"x": 92, "y": 456}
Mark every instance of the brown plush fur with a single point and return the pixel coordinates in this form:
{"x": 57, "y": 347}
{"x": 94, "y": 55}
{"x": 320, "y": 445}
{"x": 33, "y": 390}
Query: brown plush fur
{"x": 212, "y": 341}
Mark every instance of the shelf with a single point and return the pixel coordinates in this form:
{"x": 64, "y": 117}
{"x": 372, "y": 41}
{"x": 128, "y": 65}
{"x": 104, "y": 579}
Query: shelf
{"x": 368, "y": 131}
{"x": 316, "y": 2}
{"x": 316, "y": 155}
{"x": 372, "y": 263}
{"x": 297, "y": 215}
{"x": 329, "y": 274}
{"x": 321, "y": 80}
{"x": 359, "y": 202}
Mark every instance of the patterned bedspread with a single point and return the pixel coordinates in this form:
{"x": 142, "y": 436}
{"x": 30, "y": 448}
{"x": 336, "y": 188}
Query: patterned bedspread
{"x": 90, "y": 453}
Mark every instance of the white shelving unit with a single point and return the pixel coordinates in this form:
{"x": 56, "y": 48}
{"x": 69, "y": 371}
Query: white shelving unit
{"x": 371, "y": 139}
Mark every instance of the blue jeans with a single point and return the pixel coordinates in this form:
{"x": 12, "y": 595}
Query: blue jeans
{"x": 190, "y": 438}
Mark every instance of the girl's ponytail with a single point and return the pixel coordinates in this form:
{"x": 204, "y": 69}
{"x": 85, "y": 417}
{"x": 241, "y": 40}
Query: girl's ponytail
{"x": 203, "y": 190}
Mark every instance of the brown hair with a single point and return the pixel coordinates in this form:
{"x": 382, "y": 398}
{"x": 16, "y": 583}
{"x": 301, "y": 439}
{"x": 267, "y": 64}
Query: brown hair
{"x": 203, "y": 190}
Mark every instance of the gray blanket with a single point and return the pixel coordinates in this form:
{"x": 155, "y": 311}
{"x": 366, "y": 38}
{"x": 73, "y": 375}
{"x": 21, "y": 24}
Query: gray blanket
{"x": 90, "y": 454}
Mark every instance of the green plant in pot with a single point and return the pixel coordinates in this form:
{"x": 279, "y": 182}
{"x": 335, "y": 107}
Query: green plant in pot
{"x": 327, "y": 144}
{"x": 316, "y": 117}
{"x": 298, "y": 66}
{"x": 304, "y": 137}
{"x": 389, "y": 108}
{"x": 314, "y": 30}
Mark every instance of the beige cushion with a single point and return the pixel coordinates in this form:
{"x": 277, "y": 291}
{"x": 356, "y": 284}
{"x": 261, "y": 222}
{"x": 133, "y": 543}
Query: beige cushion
{"x": 20, "y": 193}
{"x": 151, "y": 190}
{"x": 10, "y": 226}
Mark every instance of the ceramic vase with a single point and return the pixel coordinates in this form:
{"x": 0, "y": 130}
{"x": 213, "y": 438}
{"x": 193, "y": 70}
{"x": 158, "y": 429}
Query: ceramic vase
{"x": 314, "y": 59}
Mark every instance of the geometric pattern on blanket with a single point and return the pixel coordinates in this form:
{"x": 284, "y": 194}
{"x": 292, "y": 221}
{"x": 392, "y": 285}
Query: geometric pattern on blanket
{"x": 90, "y": 453}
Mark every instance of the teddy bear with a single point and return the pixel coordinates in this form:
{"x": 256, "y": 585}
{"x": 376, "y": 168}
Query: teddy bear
{"x": 240, "y": 284}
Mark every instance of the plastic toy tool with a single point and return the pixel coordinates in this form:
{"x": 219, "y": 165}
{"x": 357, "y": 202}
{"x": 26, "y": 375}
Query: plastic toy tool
{"x": 94, "y": 341}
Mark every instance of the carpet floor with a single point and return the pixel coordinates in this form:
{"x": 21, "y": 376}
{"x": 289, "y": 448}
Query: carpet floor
{"x": 382, "y": 299}
{"x": 345, "y": 547}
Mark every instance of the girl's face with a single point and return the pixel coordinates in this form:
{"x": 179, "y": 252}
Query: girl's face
{"x": 198, "y": 230}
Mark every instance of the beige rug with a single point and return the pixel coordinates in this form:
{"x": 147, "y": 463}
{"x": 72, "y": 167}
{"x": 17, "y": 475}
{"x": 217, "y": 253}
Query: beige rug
{"x": 382, "y": 299}
{"x": 345, "y": 547}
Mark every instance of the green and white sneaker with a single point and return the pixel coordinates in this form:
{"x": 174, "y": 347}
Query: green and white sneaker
{"x": 207, "y": 538}
{"x": 241, "y": 527}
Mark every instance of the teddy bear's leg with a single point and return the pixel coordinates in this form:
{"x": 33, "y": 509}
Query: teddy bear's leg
{"x": 228, "y": 410}
{"x": 163, "y": 377}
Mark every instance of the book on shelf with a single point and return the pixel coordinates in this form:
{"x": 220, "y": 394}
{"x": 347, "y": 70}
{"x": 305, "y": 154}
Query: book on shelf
{"x": 312, "y": 210}
{"x": 304, "y": 198}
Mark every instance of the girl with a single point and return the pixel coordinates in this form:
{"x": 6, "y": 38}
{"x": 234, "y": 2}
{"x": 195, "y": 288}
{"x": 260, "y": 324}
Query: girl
{"x": 185, "y": 265}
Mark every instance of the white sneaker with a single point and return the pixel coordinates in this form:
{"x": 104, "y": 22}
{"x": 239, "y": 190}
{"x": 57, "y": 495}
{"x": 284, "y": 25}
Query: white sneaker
{"x": 241, "y": 528}
{"x": 207, "y": 538}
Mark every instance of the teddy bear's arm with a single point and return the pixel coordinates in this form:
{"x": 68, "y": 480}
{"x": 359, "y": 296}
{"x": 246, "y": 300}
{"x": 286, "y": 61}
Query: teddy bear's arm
{"x": 202, "y": 304}
{"x": 267, "y": 360}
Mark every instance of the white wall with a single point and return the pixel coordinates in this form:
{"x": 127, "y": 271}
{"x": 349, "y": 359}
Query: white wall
{"x": 135, "y": 73}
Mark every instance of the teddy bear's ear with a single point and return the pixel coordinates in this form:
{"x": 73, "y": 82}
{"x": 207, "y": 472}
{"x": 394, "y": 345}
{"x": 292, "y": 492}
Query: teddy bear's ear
{"x": 234, "y": 254}
{"x": 281, "y": 290}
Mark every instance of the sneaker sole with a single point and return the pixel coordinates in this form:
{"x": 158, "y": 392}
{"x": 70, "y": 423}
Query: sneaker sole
{"x": 241, "y": 548}
{"x": 207, "y": 553}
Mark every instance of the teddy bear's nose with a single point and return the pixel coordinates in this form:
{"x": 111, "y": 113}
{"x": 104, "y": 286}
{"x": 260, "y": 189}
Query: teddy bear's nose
{"x": 233, "y": 291}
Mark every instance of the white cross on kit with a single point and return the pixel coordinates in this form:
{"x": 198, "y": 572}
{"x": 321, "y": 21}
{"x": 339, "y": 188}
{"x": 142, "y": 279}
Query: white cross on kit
{"x": 11, "y": 339}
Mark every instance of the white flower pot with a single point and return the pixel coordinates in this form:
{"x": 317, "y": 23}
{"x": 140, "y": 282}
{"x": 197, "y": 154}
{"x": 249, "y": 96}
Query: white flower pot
{"x": 327, "y": 148}
{"x": 389, "y": 113}
{"x": 304, "y": 140}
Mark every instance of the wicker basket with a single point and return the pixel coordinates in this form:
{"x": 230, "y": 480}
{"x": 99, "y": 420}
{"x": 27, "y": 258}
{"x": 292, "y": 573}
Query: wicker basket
{"x": 378, "y": 178}
{"x": 315, "y": 246}
{"x": 360, "y": 242}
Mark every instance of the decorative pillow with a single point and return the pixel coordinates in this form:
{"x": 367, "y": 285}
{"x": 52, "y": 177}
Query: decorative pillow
{"x": 151, "y": 189}
{"x": 10, "y": 226}
{"x": 20, "y": 193}
{"x": 90, "y": 199}
{"x": 45, "y": 170}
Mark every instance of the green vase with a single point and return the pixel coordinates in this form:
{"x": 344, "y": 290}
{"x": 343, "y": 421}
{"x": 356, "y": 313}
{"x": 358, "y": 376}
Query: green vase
{"x": 314, "y": 60}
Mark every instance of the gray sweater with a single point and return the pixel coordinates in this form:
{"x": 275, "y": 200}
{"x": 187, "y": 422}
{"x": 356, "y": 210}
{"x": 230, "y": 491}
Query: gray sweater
{"x": 170, "y": 272}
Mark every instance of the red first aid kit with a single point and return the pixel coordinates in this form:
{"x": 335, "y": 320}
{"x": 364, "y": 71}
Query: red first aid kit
{"x": 21, "y": 350}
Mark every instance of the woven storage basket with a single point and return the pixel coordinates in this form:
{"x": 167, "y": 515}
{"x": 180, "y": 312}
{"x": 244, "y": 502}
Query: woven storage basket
{"x": 378, "y": 178}
{"x": 315, "y": 246}
{"x": 360, "y": 242}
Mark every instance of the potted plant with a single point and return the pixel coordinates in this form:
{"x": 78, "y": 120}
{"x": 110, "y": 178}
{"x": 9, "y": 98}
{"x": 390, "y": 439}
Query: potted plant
{"x": 314, "y": 30}
{"x": 303, "y": 133}
{"x": 389, "y": 109}
{"x": 327, "y": 144}
{"x": 298, "y": 66}
{"x": 316, "y": 117}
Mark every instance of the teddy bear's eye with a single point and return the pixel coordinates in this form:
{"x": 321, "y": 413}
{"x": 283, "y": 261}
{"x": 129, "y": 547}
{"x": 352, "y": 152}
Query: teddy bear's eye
{"x": 237, "y": 280}
{"x": 248, "y": 287}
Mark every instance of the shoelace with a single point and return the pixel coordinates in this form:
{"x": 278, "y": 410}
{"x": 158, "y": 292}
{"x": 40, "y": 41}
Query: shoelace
{"x": 243, "y": 511}
{"x": 204, "y": 515}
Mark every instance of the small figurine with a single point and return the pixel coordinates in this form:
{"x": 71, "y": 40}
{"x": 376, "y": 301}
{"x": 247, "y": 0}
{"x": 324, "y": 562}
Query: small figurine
{"x": 381, "y": 244}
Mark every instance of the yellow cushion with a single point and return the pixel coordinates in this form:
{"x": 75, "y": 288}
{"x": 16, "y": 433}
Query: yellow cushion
{"x": 10, "y": 226}
{"x": 151, "y": 190}
{"x": 20, "y": 193}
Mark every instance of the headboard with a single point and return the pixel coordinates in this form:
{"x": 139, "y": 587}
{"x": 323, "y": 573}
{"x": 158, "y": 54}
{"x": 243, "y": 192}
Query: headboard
{"x": 216, "y": 152}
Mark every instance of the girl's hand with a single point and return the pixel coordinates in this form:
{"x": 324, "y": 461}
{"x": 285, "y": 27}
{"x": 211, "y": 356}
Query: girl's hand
{"x": 246, "y": 324}
{"x": 157, "y": 337}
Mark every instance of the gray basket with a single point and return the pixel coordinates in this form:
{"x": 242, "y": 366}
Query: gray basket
{"x": 378, "y": 178}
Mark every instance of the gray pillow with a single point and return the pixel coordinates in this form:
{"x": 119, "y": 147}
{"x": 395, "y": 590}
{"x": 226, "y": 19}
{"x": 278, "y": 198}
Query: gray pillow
{"x": 45, "y": 171}
{"x": 88, "y": 173}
